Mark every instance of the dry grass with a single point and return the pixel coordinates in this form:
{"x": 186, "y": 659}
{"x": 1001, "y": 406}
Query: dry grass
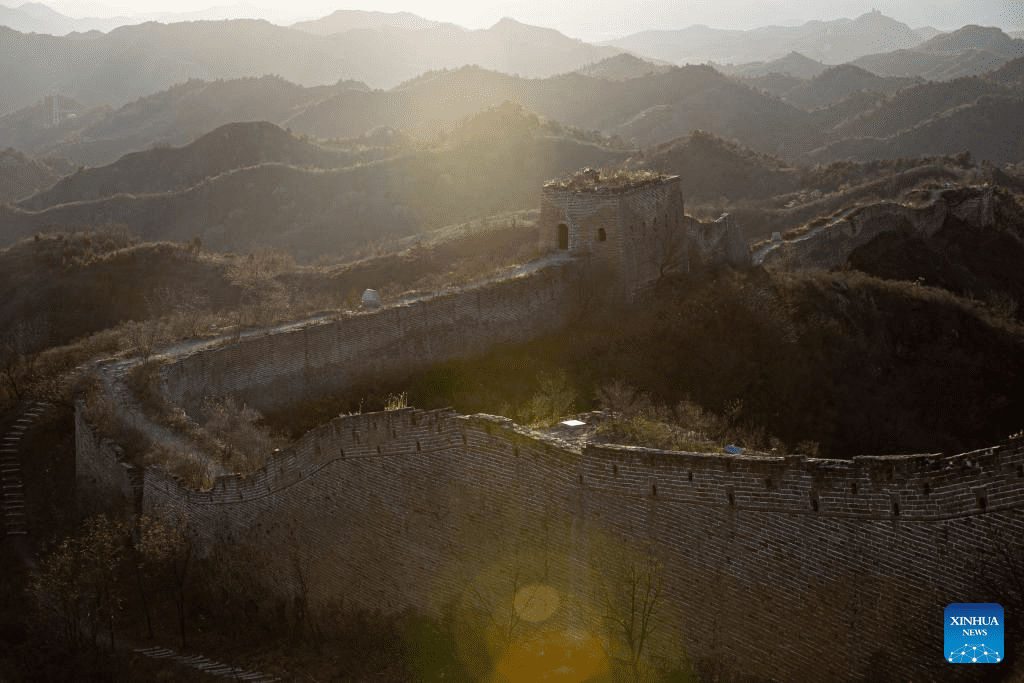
{"x": 617, "y": 179}
{"x": 105, "y": 417}
{"x": 193, "y": 470}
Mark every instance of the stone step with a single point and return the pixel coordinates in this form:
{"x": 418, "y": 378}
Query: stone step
{"x": 207, "y": 665}
{"x": 219, "y": 670}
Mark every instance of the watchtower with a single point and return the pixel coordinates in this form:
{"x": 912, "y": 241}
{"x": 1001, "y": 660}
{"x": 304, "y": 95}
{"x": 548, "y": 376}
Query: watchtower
{"x": 631, "y": 223}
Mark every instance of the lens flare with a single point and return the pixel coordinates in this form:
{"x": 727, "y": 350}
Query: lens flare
{"x": 535, "y": 602}
{"x": 565, "y": 656}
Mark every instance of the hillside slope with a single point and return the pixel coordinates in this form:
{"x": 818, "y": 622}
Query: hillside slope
{"x": 989, "y": 128}
{"x": 312, "y": 211}
{"x": 232, "y": 146}
{"x": 21, "y": 175}
{"x": 971, "y": 50}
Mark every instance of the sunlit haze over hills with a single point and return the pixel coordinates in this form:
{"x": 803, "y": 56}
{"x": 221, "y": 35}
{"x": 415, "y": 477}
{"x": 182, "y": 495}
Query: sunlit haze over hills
{"x": 591, "y": 21}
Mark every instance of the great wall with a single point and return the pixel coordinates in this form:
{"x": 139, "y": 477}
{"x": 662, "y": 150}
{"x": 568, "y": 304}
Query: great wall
{"x": 789, "y": 568}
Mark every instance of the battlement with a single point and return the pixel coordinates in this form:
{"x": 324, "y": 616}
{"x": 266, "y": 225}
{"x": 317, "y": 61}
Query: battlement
{"x": 829, "y": 245}
{"x": 608, "y": 182}
{"x": 402, "y": 509}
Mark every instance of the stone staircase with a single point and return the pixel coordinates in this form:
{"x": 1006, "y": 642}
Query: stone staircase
{"x": 208, "y": 666}
{"x": 12, "y": 502}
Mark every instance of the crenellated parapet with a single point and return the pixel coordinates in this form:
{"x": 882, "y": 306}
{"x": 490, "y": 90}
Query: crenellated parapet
{"x": 830, "y": 245}
{"x": 402, "y": 509}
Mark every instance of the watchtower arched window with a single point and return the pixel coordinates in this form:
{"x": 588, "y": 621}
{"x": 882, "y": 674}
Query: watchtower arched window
{"x": 601, "y": 235}
{"x": 563, "y": 236}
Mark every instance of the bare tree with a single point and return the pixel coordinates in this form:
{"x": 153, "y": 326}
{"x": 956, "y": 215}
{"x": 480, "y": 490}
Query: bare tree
{"x": 631, "y": 597}
{"x": 165, "y": 548}
{"x": 20, "y": 347}
{"x": 643, "y": 636}
{"x": 77, "y": 583}
{"x": 669, "y": 255}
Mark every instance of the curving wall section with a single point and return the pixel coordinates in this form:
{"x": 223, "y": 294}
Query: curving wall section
{"x": 769, "y": 562}
{"x": 830, "y": 245}
{"x": 784, "y": 567}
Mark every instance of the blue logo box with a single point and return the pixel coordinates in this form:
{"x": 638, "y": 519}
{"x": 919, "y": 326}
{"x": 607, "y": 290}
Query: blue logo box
{"x": 973, "y": 633}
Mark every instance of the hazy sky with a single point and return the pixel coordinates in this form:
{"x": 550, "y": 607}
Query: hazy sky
{"x": 594, "y": 19}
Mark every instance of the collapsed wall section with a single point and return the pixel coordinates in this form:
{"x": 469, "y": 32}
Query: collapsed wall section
{"x": 287, "y": 366}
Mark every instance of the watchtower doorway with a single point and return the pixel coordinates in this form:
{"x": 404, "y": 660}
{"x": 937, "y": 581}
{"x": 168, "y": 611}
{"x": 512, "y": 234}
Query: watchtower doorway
{"x": 563, "y": 236}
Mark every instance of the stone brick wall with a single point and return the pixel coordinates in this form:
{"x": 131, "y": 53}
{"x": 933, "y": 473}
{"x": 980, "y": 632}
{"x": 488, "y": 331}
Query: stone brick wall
{"x": 102, "y": 480}
{"x": 643, "y": 227}
{"x": 829, "y": 246}
{"x": 793, "y": 568}
{"x": 285, "y": 366}
{"x": 784, "y": 567}
{"x": 718, "y": 241}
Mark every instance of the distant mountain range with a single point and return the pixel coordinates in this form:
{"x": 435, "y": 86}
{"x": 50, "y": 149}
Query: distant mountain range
{"x": 829, "y": 42}
{"x": 112, "y": 68}
{"x": 831, "y": 85}
{"x": 348, "y": 20}
{"x": 793, "y": 64}
{"x": 799, "y": 117}
{"x": 966, "y": 51}
{"x": 133, "y": 61}
{"x": 36, "y": 17}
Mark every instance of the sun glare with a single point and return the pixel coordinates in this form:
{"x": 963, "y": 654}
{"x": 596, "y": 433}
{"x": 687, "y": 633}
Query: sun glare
{"x": 561, "y": 656}
{"x": 535, "y": 602}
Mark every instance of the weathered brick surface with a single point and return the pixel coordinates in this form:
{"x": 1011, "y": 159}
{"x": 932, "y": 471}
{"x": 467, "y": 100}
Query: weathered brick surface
{"x": 789, "y": 568}
{"x": 102, "y": 481}
{"x": 405, "y": 508}
{"x": 644, "y": 227}
{"x": 830, "y": 246}
{"x": 280, "y": 368}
